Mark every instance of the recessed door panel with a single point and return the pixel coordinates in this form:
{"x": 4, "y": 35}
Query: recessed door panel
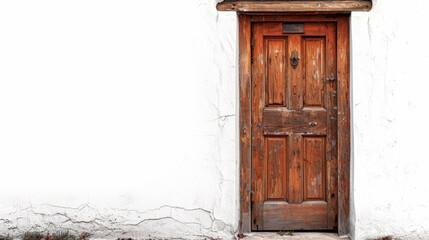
{"x": 275, "y": 90}
{"x": 314, "y": 168}
{"x": 314, "y": 60}
{"x": 275, "y": 175}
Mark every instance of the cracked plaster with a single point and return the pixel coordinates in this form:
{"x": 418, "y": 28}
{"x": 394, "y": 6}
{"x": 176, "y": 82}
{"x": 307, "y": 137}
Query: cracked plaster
{"x": 105, "y": 223}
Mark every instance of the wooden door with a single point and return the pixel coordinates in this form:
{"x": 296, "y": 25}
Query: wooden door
{"x": 294, "y": 127}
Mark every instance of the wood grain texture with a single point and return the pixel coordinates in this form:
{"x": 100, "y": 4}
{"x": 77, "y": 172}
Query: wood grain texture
{"x": 294, "y": 6}
{"x": 314, "y": 168}
{"x": 343, "y": 74}
{"x": 314, "y": 61}
{"x": 331, "y": 134}
{"x": 309, "y": 215}
{"x": 309, "y": 121}
{"x": 244, "y": 36}
{"x": 291, "y": 17}
{"x": 258, "y": 75}
{"x": 295, "y": 75}
{"x": 295, "y": 164}
{"x": 275, "y": 166}
{"x": 276, "y": 72}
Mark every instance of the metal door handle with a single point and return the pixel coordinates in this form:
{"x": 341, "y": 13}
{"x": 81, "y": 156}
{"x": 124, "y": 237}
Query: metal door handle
{"x": 332, "y": 78}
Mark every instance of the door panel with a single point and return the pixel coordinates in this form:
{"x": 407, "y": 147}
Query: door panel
{"x": 275, "y": 168}
{"x": 314, "y": 168}
{"x": 314, "y": 65}
{"x": 294, "y": 167}
{"x": 301, "y": 216}
{"x": 276, "y": 72}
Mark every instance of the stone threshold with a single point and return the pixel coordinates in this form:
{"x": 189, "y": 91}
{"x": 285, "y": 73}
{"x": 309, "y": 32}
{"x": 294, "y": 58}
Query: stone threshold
{"x": 295, "y": 236}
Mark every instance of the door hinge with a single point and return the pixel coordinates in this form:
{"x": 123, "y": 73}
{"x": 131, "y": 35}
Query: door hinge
{"x": 251, "y": 198}
{"x": 252, "y": 41}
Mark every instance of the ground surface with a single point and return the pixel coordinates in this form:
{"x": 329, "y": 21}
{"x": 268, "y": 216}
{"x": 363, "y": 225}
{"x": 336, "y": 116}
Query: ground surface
{"x": 296, "y": 236}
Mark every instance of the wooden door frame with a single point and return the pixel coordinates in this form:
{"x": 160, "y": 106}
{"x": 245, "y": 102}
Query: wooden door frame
{"x": 343, "y": 104}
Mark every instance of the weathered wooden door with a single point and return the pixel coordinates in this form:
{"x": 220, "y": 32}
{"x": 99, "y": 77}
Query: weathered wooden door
{"x": 294, "y": 127}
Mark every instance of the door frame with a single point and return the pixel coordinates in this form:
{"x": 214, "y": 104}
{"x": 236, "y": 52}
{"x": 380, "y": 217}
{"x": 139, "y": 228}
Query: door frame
{"x": 245, "y": 21}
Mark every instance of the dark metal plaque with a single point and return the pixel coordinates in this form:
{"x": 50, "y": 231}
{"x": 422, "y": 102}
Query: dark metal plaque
{"x": 293, "y": 27}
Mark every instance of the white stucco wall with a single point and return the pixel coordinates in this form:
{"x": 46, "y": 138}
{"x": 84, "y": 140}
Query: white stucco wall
{"x": 390, "y": 60}
{"x": 119, "y": 118}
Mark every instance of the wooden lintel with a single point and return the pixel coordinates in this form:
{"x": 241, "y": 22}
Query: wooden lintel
{"x": 294, "y": 6}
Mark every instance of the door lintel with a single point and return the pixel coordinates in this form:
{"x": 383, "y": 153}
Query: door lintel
{"x": 294, "y": 6}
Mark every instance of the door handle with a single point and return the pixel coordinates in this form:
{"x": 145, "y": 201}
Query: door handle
{"x": 332, "y": 78}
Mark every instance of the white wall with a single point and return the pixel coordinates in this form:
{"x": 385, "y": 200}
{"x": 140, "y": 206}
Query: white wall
{"x": 390, "y": 112}
{"x": 118, "y": 118}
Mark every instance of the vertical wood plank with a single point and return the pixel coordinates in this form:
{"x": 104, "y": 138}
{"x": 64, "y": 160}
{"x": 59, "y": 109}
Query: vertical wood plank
{"x": 343, "y": 73}
{"x": 331, "y": 137}
{"x": 258, "y": 155}
{"x": 244, "y": 36}
{"x": 294, "y": 74}
{"x": 295, "y": 183}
